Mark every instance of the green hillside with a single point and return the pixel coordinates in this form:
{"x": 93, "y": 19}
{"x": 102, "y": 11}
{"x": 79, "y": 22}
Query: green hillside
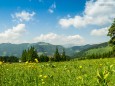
{"x": 99, "y": 50}
{"x": 93, "y": 49}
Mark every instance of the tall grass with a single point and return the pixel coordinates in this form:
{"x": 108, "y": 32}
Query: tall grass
{"x": 72, "y": 73}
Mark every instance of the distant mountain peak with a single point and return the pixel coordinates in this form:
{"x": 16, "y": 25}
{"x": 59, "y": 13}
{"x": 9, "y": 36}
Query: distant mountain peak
{"x": 43, "y": 43}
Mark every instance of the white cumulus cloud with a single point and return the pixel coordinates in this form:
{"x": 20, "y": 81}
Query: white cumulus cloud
{"x": 23, "y": 16}
{"x": 99, "y": 12}
{"x": 12, "y": 35}
{"x": 60, "y": 39}
{"x": 99, "y": 32}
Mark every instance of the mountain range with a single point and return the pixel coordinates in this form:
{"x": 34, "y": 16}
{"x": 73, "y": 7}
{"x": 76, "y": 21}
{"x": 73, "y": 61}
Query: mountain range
{"x": 8, "y": 49}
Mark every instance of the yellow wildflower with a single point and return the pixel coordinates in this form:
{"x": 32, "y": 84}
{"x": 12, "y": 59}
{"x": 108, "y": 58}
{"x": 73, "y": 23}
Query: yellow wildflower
{"x": 26, "y": 62}
{"x": 45, "y": 76}
{"x": 100, "y": 64}
{"x": 36, "y": 60}
{"x": 40, "y": 75}
{"x": 1, "y": 62}
{"x": 79, "y": 77}
{"x": 43, "y": 82}
{"x": 80, "y": 67}
{"x": 42, "y": 79}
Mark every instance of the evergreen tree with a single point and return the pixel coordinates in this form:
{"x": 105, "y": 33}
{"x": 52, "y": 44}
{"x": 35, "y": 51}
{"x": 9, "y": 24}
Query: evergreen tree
{"x": 63, "y": 55}
{"x": 111, "y": 33}
{"x": 24, "y": 56}
{"x": 43, "y": 58}
{"x": 57, "y": 55}
{"x": 32, "y": 54}
{"x": 9, "y": 59}
{"x": 29, "y": 55}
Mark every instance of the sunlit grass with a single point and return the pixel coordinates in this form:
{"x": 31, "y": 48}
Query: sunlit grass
{"x": 72, "y": 73}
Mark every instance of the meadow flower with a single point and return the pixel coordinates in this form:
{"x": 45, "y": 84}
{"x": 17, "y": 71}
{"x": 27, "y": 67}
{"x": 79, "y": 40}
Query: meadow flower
{"x": 36, "y": 60}
{"x": 1, "y": 62}
{"x": 42, "y": 79}
{"x": 40, "y": 75}
{"x": 79, "y": 77}
{"x": 45, "y": 76}
{"x": 43, "y": 82}
{"x": 100, "y": 64}
{"x": 80, "y": 67}
{"x": 26, "y": 62}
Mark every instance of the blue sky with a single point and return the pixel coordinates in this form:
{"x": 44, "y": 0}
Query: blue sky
{"x": 76, "y": 22}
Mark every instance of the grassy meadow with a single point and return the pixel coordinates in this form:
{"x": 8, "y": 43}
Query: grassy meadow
{"x": 97, "y": 72}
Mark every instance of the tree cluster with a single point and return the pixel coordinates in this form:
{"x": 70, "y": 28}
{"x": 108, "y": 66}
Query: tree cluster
{"x": 9, "y": 59}
{"x": 57, "y": 57}
{"x": 97, "y": 56}
{"x": 31, "y": 54}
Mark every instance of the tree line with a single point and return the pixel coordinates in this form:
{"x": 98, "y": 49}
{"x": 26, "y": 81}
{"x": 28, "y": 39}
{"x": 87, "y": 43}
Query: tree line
{"x": 31, "y": 54}
{"x": 9, "y": 59}
{"x": 98, "y": 55}
{"x": 95, "y": 55}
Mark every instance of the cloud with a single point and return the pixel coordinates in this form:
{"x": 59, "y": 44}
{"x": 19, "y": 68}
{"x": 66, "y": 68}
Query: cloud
{"x": 68, "y": 16}
{"x": 60, "y": 39}
{"x": 66, "y": 23}
{"x": 99, "y": 12}
{"x": 51, "y": 8}
{"x": 23, "y": 16}
{"x": 12, "y": 35}
{"x": 99, "y": 32}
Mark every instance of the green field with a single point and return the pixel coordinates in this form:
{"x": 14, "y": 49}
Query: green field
{"x": 71, "y": 73}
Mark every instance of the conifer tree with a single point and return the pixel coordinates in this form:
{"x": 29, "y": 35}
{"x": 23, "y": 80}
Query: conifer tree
{"x": 24, "y": 56}
{"x": 29, "y": 55}
{"x": 32, "y": 54}
{"x": 63, "y": 55}
{"x": 57, "y": 55}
